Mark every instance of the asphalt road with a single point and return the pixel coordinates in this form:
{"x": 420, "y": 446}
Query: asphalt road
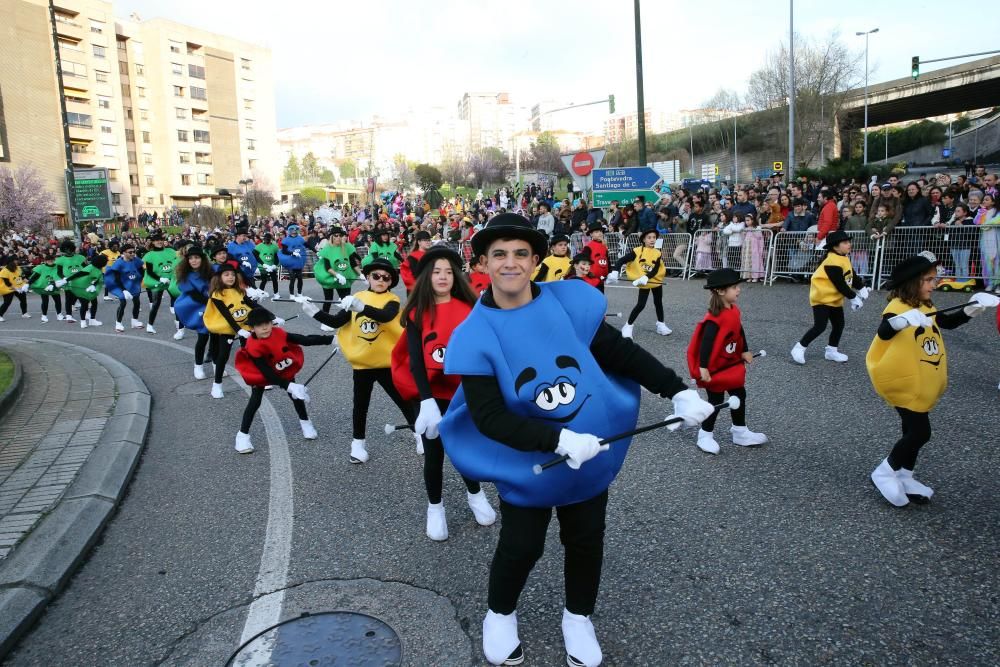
{"x": 783, "y": 554}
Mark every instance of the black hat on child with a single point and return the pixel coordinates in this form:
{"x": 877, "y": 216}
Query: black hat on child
{"x": 422, "y": 235}
{"x": 835, "y": 237}
{"x": 910, "y": 268}
{"x": 259, "y": 316}
{"x": 595, "y": 226}
{"x": 435, "y": 253}
{"x": 722, "y": 278}
{"x": 385, "y": 265}
{"x": 582, "y": 257}
{"x": 558, "y": 238}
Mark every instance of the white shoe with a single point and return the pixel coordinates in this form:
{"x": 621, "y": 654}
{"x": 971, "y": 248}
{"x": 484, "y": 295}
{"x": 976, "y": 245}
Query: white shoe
{"x": 746, "y": 438}
{"x": 136, "y": 324}
{"x": 60, "y": 317}
{"x": 171, "y": 310}
{"x": 501, "y": 645}
{"x": 833, "y": 354}
{"x": 627, "y": 330}
{"x": 707, "y": 443}
{"x": 420, "y": 443}
{"x": 276, "y": 297}
{"x": 25, "y": 316}
{"x": 358, "y": 452}
{"x": 437, "y": 526}
{"x": 199, "y": 371}
{"x": 108, "y": 298}
{"x": 83, "y": 324}
{"x": 481, "y": 508}
{"x": 150, "y": 329}
{"x": 217, "y": 391}
{"x": 911, "y": 486}
{"x": 91, "y": 322}
{"x": 2, "y": 319}
{"x": 799, "y": 354}
{"x": 243, "y": 444}
{"x": 885, "y": 480}
{"x": 45, "y": 318}
{"x": 663, "y": 329}
{"x": 179, "y": 334}
{"x": 308, "y": 430}
{"x": 119, "y": 327}
{"x": 69, "y": 319}
{"x": 325, "y": 328}
{"x": 582, "y": 649}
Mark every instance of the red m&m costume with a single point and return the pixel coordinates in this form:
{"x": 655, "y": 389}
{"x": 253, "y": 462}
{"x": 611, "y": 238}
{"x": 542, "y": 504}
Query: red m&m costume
{"x": 725, "y": 364}
{"x": 284, "y": 356}
{"x": 435, "y": 329}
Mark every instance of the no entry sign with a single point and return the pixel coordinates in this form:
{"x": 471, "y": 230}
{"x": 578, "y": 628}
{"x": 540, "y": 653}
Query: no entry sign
{"x": 583, "y": 164}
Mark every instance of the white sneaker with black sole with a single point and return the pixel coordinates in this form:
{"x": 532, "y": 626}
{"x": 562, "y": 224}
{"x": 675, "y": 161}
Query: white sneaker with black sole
{"x": 582, "y": 648}
{"x": 243, "y": 444}
{"x": 358, "y": 452}
{"x": 501, "y": 645}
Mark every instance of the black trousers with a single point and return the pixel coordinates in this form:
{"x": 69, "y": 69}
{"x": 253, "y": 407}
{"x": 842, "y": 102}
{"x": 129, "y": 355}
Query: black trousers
{"x": 56, "y": 299}
{"x": 199, "y": 348}
{"x": 739, "y": 414}
{"x": 84, "y": 305}
{"x": 522, "y": 541}
{"x": 223, "y": 346}
{"x": 155, "y": 299}
{"x": 295, "y": 276}
{"x": 9, "y": 298}
{"x": 364, "y": 382}
{"x": 834, "y": 315}
{"x": 640, "y": 303}
{"x": 70, "y": 302}
{"x": 328, "y": 295}
{"x": 256, "y": 396}
{"x": 122, "y": 303}
{"x": 916, "y": 434}
{"x": 434, "y": 464}
{"x": 272, "y": 277}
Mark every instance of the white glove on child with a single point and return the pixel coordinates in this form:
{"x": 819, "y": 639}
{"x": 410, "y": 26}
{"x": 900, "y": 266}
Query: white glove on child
{"x": 612, "y": 278}
{"x": 308, "y": 308}
{"x": 91, "y": 288}
{"x": 164, "y": 280}
{"x": 352, "y": 303}
{"x": 911, "y": 318}
{"x": 22, "y": 289}
{"x": 428, "y": 419}
{"x": 126, "y": 295}
{"x": 341, "y": 280}
{"x": 243, "y": 333}
{"x": 690, "y": 407}
{"x": 857, "y": 302}
{"x": 50, "y": 287}
{"x": 299, "y": 391}
{"x": 640, "y": 281}
{"x": 296, "y": 253}
{"x": 270, "y": 268}
{"x": 61, "y": 283}
{"x": 979, "y": 303}
{"x": 864, "y": 292}
{"x": 580, "y": 447}
{"x": 278, "y": 321}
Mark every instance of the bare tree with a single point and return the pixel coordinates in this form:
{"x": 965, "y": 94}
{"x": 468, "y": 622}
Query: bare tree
{"x": 454, "y": 170}
{"x": 488, "y": 166}
{"x": 545, "y": 154}
{"x": 207, "y": 217}
{"x": 25, "y": 203}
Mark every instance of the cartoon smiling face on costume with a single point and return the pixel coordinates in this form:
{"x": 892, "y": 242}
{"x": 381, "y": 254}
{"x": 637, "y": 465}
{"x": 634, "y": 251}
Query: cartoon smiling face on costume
{"x": 369, "y": 328}
{"x": 238, "y": 311}
{"x": 434, "y": 351}
{"x": 341, "y": 265}
{"x": 731, "y": 347}
{"x": 556, "y": 398}
{"x": 646, "y": 268}
{"x": 284, "y": 362}
{"x": 930, "y": 345}
{"x": 132, "y": 277}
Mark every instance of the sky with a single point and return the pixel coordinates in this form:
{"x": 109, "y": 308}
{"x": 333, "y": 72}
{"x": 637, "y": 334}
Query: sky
{"x": 346, "y": 60}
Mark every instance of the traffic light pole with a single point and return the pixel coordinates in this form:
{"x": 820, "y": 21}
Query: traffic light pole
{"x": 641, "y": 113}
{"x": 917, "y": 62}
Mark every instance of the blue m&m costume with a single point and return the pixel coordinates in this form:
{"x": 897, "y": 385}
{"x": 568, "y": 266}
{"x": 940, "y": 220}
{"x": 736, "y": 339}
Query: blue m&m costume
{"x": 190, "y": 305}
{"x": 552, "y": 378}
{"x": 292, "y": 255}
{"x": 243, "y": 253}
{"x": 124, "y": 275}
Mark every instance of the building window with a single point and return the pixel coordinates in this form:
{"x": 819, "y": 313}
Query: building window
{"x": 79, "y": 119}
{"x": 140, "y": 70}
{"x": 104, "y": 102}
{"x": 185, "y": 158}
{"x": 106, "y": 129}
{"x": 180, "y": 112}
{"x": 126, "y": 93}
{"x": 247, "y": 105}
{"x": 204, "y": 179}
{"x": 133, "y": 179}
{"x": 145, "y": 138}
{"x": 140, "y": 91}
{"x": 113, "y": 174}
{"x": 78, "y": 100}
{"x": 149, "y": 181}
{"x": 198, "y": 93}
{"x": 147, "y": 158}
{"x": 71, "y": 68}
{"x": 201, "y": 136}
{"x": 143, "y": 114}
{"x": 252, "y": 164}
{"x": 178, "y": 91}
{"x": 196, "y": 71}
{"x": 123, "y": 67}
{"x": 185, "y": 179}
{"x": 203, "y": 158}
{"x": 175, "y": 47}
{"x": 251, "y": 145}
{"x": 182, "y": 135}
{"x": 245, "y": 64}
{"x": 177, "y": 68}
{"x": 116, "y": 199}
{"x": 248, "y": 124}
{"x": 121, "y": 44}
{"x": 150, "y": 201}
{"x": 99, "y": 51}
{"x": 129, "y": 136}
{"x": 96, "y": 27}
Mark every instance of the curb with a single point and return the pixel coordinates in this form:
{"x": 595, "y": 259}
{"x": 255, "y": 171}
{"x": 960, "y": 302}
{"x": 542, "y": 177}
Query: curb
{"x": 41, "y": 566}
{"x": 11, "y": 393}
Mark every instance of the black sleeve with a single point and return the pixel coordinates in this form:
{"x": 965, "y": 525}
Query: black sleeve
{"x": 543, "y": 271}
{"x": 322, "y": 264}
{"x": 257, "y": 256}
{"x": 355, "y": 261}
{"x": 306, "y": 341}
{"x": 386, "y": 314}
{"x": 857, "y": 282}
{"x": 490, "y": 415}
{"x": 282, "y": 249}
{"x": 743, "y": 334}
{"x": 952, "y": 320}
{"x": 885, "y": 330}
{"x": 9, "y": 283}
{"x": 78, "y": 274}
{"x": 656, "y": 267}
{"x": 413, "y": 262}
{"x": 399, "y": 258}
{"x": 836, "y": 276}
{"x": 625, "y": 259}
{"x": 335, "y": 320}
{"x": 226, "y": 315}
{"x": 415, "y": 346}
{"x": 151, "y": 271}
{"x": 623, "y": 356}
{"x": 197, "y": 296}
{"x": 269, "y": 373}
{"x": 709, "y": 332}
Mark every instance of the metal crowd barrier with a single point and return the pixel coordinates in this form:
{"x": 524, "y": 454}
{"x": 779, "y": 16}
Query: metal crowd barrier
{"x": 676, "y": 251}
{"x": 794, "y": 255}
{"x": 966, "y": 252}
{"x": 711, "y": 250}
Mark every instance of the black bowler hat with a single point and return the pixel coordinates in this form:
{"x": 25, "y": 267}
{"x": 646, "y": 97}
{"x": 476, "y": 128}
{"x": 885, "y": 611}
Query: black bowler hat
{"x": 435, "y": 253}
{"x": 385, "y": 265}
{"x": 722, "y": 278}
{"x": 259, "y": 316}
{"x": 422, "y": 235}
{"x": 595, "y": 226}
{"x": 835, "y": 237}
{"x": 582, "y": 257}
{"x": 558, "y": 238}
{"x": 910, "y": 268}
{"x": 508, "y": 226}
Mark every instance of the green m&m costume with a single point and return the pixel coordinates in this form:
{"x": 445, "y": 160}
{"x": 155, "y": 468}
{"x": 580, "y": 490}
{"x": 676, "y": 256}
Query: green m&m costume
{"x": 387, "y": 252}
{"x": 337, "y": 258}
{"x": 268, "y": 253}
{"x": 159, "y": 264}
{"x": 42, "y": 276}
{"x": 67, "y": 265}
{"x": 91, "y": 276}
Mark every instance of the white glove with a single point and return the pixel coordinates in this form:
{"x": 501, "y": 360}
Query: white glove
{"x": 864, "y": 292}
{"x": 22, "y": 289}
{"x": 857, "y": 302}
{"x": 61, "y": 283}
{"x": 985, "y": 300}
{"x": 270, "y": 268}
{"x": 612, "y": 277}
{"x": 308, "y": 308}
{"x": 243, "y": 333}
{"x": 126, "y": 295}
{"x": 91, "y": 288}
{"x": 821, "y": 245}
{"x": 641, "y": 280}
{"x": 340, "y": 279}
{"x": 50, "y": 287}
{"x": 246, "y": 264}
{"x": 691, "y": 407}
{"x": 296, "y": 253}
{"x": 352, "y": 303}
{"x": 278, "y": 321}
{"x": 580, "y": 447}
{"x": 428, "y": 419}
{"x": 256, "y": 294}
{"x": 364, "y": 281}
{"x": 164, "y": 280}
{"x": 911, "y": 318}
{"x": 299, "y": 391}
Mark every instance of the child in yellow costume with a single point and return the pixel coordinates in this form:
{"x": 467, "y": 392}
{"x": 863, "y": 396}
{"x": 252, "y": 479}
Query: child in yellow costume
{"x": 646, "y": 269}
{"x": 908, "y": 367}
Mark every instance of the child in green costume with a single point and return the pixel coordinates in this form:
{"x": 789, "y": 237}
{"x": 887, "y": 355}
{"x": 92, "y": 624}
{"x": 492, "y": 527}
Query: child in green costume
{"x": 267, "y": 265}
{"x": 85, "y": 285}
{"x": 383, "y": 247}
{"x": 68, "y": 263}
{"x": 336, "y": 266}
{"x": 159, "y": 262}
{"x": 43, "y": 282}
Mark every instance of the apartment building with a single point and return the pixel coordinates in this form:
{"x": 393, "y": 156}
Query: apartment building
{"x": 173, "y": 112}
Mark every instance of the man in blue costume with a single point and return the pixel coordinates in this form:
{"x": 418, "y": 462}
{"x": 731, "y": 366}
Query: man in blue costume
{"x": 543, "y": 374}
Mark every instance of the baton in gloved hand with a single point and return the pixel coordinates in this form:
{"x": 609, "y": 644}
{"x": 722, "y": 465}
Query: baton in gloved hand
{"x": 332, "y": 355}
{"x": 392, "y": 428}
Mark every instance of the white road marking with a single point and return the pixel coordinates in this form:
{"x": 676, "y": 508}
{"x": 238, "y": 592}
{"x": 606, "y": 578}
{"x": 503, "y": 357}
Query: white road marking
{"x": 272, "y": 576}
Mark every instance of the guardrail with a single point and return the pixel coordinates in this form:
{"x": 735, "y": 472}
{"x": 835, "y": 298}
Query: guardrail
{"x": 747, "y": 251}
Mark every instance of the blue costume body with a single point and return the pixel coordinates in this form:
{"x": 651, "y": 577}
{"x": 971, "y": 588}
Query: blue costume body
{"x": 243, "y": 252}
{"x": 286, "y": 255}
{"x": 188, "y": 310}
{"x": 540, "y": 356}
{"x": 124, "y": 275}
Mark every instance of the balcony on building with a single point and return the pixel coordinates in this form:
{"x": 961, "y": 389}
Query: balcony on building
{"x": 83, "y": 155}
{"x": 68, "y": 22}
{"x": 81, "y": 127}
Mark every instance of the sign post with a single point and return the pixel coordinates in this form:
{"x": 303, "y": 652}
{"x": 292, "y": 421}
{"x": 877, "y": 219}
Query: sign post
{"x": 625, "y": 185}
{"x": 581, "y": 167}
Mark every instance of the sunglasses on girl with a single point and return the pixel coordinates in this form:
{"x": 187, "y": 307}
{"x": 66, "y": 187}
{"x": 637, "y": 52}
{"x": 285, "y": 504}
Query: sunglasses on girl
{"x": 379, "y": 276}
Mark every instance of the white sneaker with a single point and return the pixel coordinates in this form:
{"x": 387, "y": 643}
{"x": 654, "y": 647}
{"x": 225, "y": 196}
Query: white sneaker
{"x": 501, "y": 645}
{"x": 171, "y": 310}
{"x": 243, "y": 444}
{"x": 83, "y": 324}
{"x": 437, "y": 526}
{"x": 2, "y": 319}
{"x": 911, "y": 486}
{"x": 91, "y": 322}
{"x": 276, "y": 297}
{"x": 420, "y": 443}
{"x": 150, "y": 329}
{"x": 885, "y": 480}
{"x": 308, "y": 430}
{"x": 108, "y": 298}
{"x": 119, "y": 327}
{"x": 707, "y": 443}
{"x": 582, "y": 649}
{"x": 25, "y": 316}
{"x": 627, "y": 330}
{"x": 746, "y": 438}
{"x": 481, "y": 508}
{"x": 217, "y": 390}
{"x": 325, "y": 328}
{"x": 358, "y": 452}
{"x": 45, "y": 318}
{"x": 663, "y": 329}
{"x": 833, "y": 354}
{"x": 136, "y": 324}
{"x": 799, "y": 354}
{"x": 60, "y": 317}
{"x": 179, "y": 334}
{"x": 69, "y": 319}
{"x": 199, "y": 371}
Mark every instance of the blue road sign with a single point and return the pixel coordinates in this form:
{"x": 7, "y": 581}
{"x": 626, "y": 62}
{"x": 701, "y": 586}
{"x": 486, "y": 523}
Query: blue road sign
{"x": 625, "y": 178}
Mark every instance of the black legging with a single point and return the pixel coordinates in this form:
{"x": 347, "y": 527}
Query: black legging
{"x": 293, "y": 276}
{"x": 734, "y": 257}
{"x": 916, "y": 434}
{"x": 272, "y": 276}
{"x": 640, "y": 303}
{"x": 328, "y": 295}
{"x": 199, "y": 348}
{"x": 434, "y": 465}
{"x": 83, "y": 308}
{"x": 56, "y": 299}
{"x": 70, "y": 302}
{"x": 821, "y": 315}
{"x": 9, "y": 298}
{"x": 739, "y": 415}
{"x": 364, "y": 382}
{"x": 522, "y": 541}
{"x": 121, "y": 309}
{"x": 256, "y": 396}
{"x": 223, "y": 346}
{"x": 155, "y": 298}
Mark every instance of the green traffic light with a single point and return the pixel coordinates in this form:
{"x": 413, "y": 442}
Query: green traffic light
{"x": 915, "y": 67}
{"x": 611, "y": 103}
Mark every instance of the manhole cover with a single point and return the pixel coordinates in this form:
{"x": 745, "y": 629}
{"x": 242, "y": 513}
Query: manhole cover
{"x": 323, "y": 639}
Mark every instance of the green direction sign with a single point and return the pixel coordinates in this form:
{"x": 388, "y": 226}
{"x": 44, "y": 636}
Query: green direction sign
{"x": 93, "y": 195}
{"x": 624, "y": 197}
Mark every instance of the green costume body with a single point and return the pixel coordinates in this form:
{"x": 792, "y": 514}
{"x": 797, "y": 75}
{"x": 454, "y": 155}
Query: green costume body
{"x": 338, "y": 259}
{"x": 268, "y": 253}
{"x": 163, "y": 263}
{"x": 41, "y": 277}
{"x": 93, "y": 276}
{"x": 387, "y": 252}
{"x": 69, "y": 264}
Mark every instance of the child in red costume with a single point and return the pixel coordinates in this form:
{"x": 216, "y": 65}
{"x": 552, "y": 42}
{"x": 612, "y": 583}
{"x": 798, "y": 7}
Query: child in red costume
{"x": 408, "y": 268}
{"x": 439, "y": 302}
{"x": 717, "y": 359}
{"x": 272, "y": 356}
{"x": 582, "y": 266}
{"x": 479, "y": 280}
{"x": 598, "y": 253}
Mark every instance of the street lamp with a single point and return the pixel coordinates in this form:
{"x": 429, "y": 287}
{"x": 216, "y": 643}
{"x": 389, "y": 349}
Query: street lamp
{"x": 872, "y": 31}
